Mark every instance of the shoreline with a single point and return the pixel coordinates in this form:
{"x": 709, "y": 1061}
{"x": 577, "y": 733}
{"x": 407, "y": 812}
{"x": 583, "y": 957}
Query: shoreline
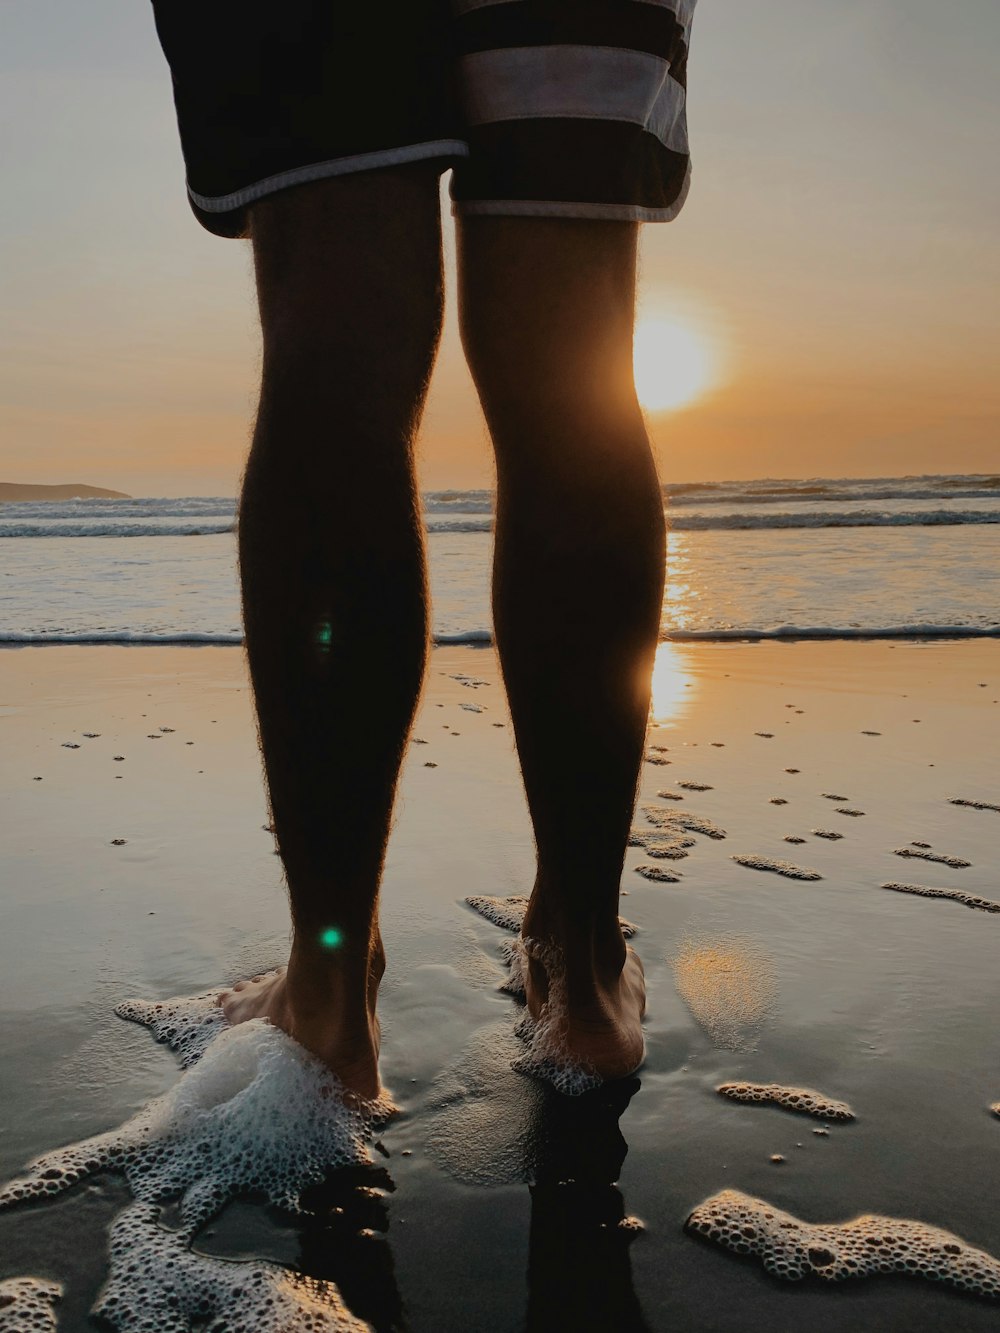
{"x": 484, "y": 638}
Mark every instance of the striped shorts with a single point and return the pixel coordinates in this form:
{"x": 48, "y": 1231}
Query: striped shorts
{"x": 544, "y": 108}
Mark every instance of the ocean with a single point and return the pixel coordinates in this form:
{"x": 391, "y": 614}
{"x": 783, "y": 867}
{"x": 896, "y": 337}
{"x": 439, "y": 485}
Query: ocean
{"x": 822, "y": 558}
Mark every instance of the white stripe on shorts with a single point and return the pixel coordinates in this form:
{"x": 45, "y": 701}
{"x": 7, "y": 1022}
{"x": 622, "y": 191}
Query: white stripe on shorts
{"x": 337, "y": 166}
{"x": 578, "y": 82}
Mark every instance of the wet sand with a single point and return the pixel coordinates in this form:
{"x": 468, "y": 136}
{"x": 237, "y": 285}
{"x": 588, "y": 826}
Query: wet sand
{"x": 136, "y": 863}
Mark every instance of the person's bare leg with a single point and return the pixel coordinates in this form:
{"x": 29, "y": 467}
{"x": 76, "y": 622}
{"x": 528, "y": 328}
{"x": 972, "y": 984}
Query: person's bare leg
{"x": 332, "y": 568}
{"x": 547, "y": 311}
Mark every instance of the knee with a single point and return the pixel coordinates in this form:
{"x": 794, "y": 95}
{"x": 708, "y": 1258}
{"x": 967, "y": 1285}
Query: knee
{"x": 349, "y": 286}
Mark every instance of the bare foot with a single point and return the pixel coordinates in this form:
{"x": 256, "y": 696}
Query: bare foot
{"x": 317, "y": 1005}
{"x": 603, "y": 1025}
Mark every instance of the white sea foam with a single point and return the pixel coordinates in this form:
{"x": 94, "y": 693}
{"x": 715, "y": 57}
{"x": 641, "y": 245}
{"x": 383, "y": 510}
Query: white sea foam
{"x": 956, "y": 895}
{"x": 942, "y": 858}
{"x": 974, "y": 805}
{"x": 791, "y": 1249}
{"x": 158, "y": 1285}
{"x": 544, "y": 1055}
{"x": 658, "y": 874}
{"x": 682, "y": 821}
{"x": 27, "y": 1305}
{"x": 777, "y": 865}
{"x": 508, "y": 913}
{"x": 255, "y": 1113}
{"x": 806, "y": 1100}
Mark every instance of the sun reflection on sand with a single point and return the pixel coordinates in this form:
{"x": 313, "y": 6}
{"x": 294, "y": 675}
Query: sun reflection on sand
{"x": 674, "y": 686}
{"x": 729, "y": 985}
{"x": 681, "y": 592}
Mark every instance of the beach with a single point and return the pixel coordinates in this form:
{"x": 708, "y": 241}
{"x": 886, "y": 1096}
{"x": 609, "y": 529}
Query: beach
{"x": 137, "y": 863}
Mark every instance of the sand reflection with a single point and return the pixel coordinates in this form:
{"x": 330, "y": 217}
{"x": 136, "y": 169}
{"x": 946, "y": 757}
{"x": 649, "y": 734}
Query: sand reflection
{"x": 674, "y": 685}
{"x": 729, "y": 985}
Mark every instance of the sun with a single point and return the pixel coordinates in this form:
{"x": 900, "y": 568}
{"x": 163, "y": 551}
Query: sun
{"x": 674, "y": 363}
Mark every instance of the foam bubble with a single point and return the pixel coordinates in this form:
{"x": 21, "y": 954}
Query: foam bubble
{"x": 257, "y": 1113}
{"x": 955, "y": 862}
{"x": 27, "y": 1305}
{"x": 667, "y": 845}
{"x": 545, "y": 1055}
{"x": 779, "y": 867}
{"x": 848, "y": 810}
{"x": 956, "y": 895}
{"x": 188, "y": 1024}
{"x": 695, "y": 786}
{"x": 670, "y": 795}
{"x": 792, "y": 838}
{"x": 973, "y": 805}
{"x": 827, "y": 833}
{"x": 728, "y": 983}
{"x": 658, "y": 874}
{"x": 652, "y": 757}
{"x": 157, "y": 1285}
{"x": 668, "y": 849}
{"x": 791, "y": 1249}
{"x": 682, "y": 821}
{"x": 806, "y": 1100}
{"x": 508, "y": 913}
{"x": 833, "y": 796}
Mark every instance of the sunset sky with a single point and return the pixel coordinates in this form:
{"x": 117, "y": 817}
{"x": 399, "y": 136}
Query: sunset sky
{"x": 837, "y": 260}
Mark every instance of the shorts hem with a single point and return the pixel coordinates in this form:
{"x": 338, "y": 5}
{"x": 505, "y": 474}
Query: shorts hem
{"x": 544, "y": 208}
{"x": 560, "y": 208}
{"x": 338, "y": 166}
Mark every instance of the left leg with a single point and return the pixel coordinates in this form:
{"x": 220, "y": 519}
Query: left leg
{"x": 332, "y": 567}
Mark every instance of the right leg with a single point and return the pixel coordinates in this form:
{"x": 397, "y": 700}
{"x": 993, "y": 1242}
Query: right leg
{"x": 332, "y": 568}
{"x": 546, "y": 309}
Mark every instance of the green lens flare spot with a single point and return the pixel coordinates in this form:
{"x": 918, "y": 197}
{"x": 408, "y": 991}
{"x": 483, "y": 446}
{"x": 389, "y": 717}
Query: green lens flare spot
{"x": 331, "y": 938}
{"x": 324, "y": 636}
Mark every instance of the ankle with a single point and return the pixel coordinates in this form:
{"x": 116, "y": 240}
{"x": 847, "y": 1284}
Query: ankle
{"x": 592, "y": 950}
{"x": 327, "y": 959}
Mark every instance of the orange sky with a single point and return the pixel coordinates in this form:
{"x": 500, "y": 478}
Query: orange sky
{"x": 838, "y": 249}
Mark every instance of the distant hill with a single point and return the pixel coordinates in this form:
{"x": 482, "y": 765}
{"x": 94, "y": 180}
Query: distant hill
{"x": 12, "y": 490}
